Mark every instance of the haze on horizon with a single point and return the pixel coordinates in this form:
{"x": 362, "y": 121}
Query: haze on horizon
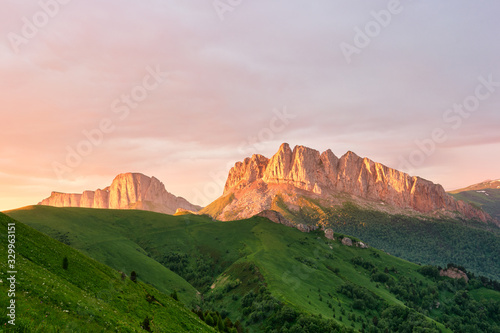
{"x": 181, "y": 91}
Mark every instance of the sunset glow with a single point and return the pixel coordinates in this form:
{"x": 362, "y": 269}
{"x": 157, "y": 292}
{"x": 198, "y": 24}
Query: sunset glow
{"x": 181, "y": 91}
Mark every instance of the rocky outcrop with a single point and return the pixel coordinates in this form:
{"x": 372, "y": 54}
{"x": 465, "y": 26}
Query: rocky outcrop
{"x": 306, "y": 227}
{"x": 127, "y": 191}
{"x": 329, "y": 234}
{"x": 347, "y": 241}
{"x": 59, "y": 199}
{"x": 246, "y": 172}
{"x": 361, "y": 245}
{"x": 323, "y": 174}
{"x": 182, "y": 211}
{"x": 275, "y": 217}
{"x": 454, "y": 273}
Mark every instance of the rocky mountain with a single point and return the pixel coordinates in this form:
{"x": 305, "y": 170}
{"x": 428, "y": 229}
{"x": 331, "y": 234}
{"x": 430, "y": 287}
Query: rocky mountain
{"x": 127, "y": 191}
{"x": 258, "y": 183}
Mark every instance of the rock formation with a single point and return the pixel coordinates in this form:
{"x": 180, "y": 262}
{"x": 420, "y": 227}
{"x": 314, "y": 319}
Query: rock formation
{"x": 255, "y": 183}
{"x": 347, "y": 241}
{"x": 306, "y": 227}
{"x": 454, "y": 273}
{"x": 275, "y": 217}
{"x": 361, "y": 245}
{"x": 127, "y": 191}
{"x": 329, "y": 234}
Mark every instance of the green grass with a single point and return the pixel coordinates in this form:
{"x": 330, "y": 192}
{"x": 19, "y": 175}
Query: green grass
{"x": 103, "y": 235}
{"x": 436, "y": 241}
{"x": 228, "y": 260}
{"x": 86, "y": 297}
{"x": 216, "y": 207}
{"x": 487, "y": 199}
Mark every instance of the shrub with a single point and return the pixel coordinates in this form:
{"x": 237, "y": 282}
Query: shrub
{"x": 133, "y": 276}
{"x": 174, "y": 295}
{"x": 65, "y": 263}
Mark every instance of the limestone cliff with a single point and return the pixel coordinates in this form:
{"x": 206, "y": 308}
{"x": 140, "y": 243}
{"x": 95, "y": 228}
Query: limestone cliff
{"x": 256, "y": 181}
{"x": 127, "y": 191}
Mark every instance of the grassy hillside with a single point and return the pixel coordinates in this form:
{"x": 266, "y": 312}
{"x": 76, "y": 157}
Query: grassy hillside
{"x": 103, "y": 235}
{"x": 488, "y": 199}
{"x": 436, "y": 241}
{"x": 276, "y": 279}
{"x": 87, "y": 296}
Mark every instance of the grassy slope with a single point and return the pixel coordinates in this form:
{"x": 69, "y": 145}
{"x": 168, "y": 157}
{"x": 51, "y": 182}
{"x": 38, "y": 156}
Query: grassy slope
{"x": 427, "y": 241}
{"x": 296, "y": 267}
{"x": 487, "y": 199}
{"x": 87, "y": 297}
{"x": 216, "y": 207}
{"x": 103, "y": 235}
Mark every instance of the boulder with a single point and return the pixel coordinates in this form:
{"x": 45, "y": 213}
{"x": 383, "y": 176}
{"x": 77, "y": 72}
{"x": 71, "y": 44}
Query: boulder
{"x": 329, "y": 234}
{"x": 454, "y": 273}
{"x": 347, "y": 241}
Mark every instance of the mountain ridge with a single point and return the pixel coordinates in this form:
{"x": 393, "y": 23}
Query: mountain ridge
{"x": 127, "y": 191}
{"x": 257, "y": 181}
{"x": 487, "y": 184}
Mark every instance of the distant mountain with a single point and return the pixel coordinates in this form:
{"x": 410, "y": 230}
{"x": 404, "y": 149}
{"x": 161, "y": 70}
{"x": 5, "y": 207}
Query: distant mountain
{"x": 485, "y": 195}
{"x": 487, "y": 184}
{"x": 284, "y": 181}
{"x": 127, "y": 191}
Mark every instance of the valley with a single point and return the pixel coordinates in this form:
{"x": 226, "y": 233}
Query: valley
{"x": 270, "y": 277}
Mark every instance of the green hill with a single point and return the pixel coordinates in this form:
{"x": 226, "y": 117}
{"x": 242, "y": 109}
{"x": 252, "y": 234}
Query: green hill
{"x": 87, "y": 296}
{"x": 103, "y": 235}
{"x": 420, "y": 239}
{"x": 488, "y": 199}
{"x": 274, "y": 278}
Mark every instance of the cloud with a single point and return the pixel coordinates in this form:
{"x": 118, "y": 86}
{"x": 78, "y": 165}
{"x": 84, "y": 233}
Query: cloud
{"x": 226, "y": 78}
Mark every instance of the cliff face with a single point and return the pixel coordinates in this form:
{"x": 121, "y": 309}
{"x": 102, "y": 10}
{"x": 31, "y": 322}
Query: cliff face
{"x": 127, "y": 191}
{"x": 323, "y": 174}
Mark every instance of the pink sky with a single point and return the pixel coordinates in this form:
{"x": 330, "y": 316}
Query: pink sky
{"x": 226, "y": 79}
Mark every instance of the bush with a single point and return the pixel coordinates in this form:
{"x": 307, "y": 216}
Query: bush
{"x": 430, "y": 271}
{"x": 65, "y": 263}
{"x": 380, "y": 277}
{"x": 145, "y": 324}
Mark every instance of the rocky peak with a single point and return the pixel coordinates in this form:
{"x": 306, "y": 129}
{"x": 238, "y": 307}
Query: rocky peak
{"x": 246, "y": 172}
{"x": 127, "y": 191}
{"x": 279, "y": 165}
{"x": 324, "y": 174}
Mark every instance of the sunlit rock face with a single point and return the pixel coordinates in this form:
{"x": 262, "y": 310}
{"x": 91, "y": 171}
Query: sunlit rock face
{"x": 255, "y": 181}
{"x": 127, "y": 191}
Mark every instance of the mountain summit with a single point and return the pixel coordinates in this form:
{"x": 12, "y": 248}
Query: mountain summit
{"x": 259, "y": 183}
{"x": 127, "y": 191}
